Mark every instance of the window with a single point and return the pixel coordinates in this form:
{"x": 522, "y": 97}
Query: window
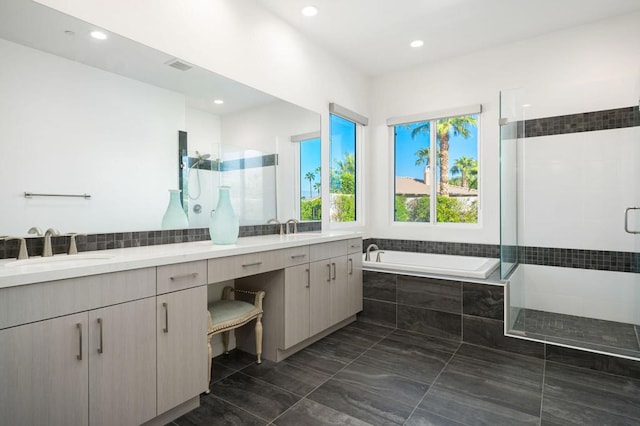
{"x": 436, "y": 169}
{"x": 310, "y": 180}
{"x": 342, "y": 178}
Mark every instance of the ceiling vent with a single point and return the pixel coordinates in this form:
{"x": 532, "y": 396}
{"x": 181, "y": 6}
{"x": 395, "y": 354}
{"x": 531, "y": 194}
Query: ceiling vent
{"x": 179, "y": 65}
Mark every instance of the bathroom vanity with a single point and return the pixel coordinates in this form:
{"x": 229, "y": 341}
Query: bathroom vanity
{"x": 119, "y": 336}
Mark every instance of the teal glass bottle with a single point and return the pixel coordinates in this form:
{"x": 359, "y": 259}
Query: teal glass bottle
{"x": 224, "y": 226}
{"x": 174, "y": 217}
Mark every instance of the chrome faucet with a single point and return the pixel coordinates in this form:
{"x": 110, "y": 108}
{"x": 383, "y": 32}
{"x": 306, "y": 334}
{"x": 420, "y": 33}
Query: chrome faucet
{"x": 367, "y": 256}
{"x": 295, "y": 225}
{"x": 35, "y": 230}
{"x": 277, "y": 222}
{"x": 46, "y": 251}
{"x": 378, "y": 258}
{"x": 22, "y": 251}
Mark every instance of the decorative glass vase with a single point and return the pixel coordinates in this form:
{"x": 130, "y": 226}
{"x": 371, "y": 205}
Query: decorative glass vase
{"x": 224, "y": 226}
{"x": 174, "y": 217}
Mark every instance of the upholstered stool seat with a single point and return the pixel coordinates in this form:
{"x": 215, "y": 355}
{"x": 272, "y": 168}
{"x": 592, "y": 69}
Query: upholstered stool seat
{"x": 228, "y": 314}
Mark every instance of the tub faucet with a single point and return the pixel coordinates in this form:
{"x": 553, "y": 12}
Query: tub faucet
{"x": 46, "y": 251}
{"x": 367, "y": 256}
{"x": 378, "y": 258}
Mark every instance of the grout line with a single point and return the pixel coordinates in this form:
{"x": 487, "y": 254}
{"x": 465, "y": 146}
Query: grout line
{"x": 332, "y": 376}
{"x": 238, "y": 407}
{"x": 544, "y": 376}
{"x": 431, "y": 386}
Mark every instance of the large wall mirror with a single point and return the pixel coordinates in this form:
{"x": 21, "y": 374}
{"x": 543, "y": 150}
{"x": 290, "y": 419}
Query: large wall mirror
{"x": 82, "y": 116}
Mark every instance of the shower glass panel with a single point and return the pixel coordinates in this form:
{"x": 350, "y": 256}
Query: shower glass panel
{"x": 569, "y": 172}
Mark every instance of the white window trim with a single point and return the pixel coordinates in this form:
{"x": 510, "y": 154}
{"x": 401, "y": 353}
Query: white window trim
{"x": 407, "y": 119}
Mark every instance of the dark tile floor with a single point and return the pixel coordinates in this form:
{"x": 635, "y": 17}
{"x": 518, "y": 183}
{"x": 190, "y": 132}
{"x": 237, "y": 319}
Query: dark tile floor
{"x": 607, "y": 336}
{"x": 364, "y": 374}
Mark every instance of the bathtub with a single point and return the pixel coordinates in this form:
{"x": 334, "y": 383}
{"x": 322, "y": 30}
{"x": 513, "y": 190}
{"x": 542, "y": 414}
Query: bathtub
{"x": 429, "y": 263}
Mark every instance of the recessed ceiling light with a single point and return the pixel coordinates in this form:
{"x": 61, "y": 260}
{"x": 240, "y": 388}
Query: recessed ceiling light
{"x": 218, "y": 101}
{"x": 309, "y": 11}
{"x": 98, "y": 35}
{"x": 416, "y": 43}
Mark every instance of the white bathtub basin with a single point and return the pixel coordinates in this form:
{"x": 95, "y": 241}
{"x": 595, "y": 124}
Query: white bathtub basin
{"x": 441, "y": 264}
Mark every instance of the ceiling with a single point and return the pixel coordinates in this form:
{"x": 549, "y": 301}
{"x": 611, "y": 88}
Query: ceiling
{"x": 374, "y": 35}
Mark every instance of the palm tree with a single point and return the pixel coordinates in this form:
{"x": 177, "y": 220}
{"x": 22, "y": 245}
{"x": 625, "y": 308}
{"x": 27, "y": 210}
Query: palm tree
{"x": 423, "y": 156}
{"x": 460, "y": 126}
{"x": 343, "y": 175}
{"x": 464, "y": 166}
{"x": 310, "y": 176}
{"x": 317, "y": 186}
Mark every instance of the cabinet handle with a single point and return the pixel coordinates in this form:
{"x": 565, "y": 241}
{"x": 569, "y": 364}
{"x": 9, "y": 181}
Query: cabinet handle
{"x": 328, "y": 272}
{"x": 165, "y": 305}
{"x": 297, "y": 256}
{"x": 350, "y": 266}
{"x": 183, "y": 276}
{"x": 79, "y": 327}
{"x": 100, "y": 347}
{"x": 246, "y": 265}
{"x": 334, "y": 270}
{"x": 308, "y": 277}
{"x": 355, "y": 245}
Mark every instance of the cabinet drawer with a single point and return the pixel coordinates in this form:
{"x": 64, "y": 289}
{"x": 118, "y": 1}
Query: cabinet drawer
{"x": 327, "y": 250}
{"x": 181, "y": 276}
{"x": 354, "y": 245}
{"x": 231, "y": 267}
{"x": 295, "y": 256}
{"x": 56, "y": 298}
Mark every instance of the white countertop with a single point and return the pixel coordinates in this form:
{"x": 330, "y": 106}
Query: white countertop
{"x": 37, "y": 269}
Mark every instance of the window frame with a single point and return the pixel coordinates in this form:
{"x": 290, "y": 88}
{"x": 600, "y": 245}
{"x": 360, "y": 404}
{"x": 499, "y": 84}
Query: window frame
{"x": 296, "y": 141}
{"x": 360, "y": 122}
{"x": 433, "y": 117}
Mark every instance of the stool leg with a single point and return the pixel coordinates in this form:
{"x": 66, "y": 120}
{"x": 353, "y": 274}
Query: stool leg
{"x": 225, "y": 342}
{"x": 209, "y": 370}
{"x": 259, "y": 338}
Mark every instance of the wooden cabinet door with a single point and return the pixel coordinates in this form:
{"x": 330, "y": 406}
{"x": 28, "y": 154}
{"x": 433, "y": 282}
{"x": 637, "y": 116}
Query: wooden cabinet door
{"x": 44, "y": 373}
{"x": 182, "y": 346}
{"x": 122, "y": 363}
{"x": 339, "y": 290}
{"x": 297, "y": 286}
{"x": 320, "y": 296}
{"x": 354, "y": 282}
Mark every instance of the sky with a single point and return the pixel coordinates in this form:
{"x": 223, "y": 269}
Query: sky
{"x": 342, "y": 142}
{"x": 406, "y": 146}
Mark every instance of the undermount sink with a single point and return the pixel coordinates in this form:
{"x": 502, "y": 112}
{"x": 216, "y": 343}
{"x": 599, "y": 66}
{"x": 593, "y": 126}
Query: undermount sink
{"x": 66, "y": 260}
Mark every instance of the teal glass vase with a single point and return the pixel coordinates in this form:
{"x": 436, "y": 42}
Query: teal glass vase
{"x": 224, "y": 226}
{"x": 174, "y": 217}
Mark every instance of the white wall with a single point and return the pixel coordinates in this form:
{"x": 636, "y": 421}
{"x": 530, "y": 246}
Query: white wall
{"x": 604, "y": 56}
{"x": 120, "y": 145}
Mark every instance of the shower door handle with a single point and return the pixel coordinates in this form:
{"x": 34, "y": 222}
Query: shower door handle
{"x": 626, "y": 220}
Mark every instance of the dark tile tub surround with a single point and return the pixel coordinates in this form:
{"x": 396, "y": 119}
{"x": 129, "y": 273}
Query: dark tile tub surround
{"x": 602, "y": 260}
{"x": 465, "y": 312}
{"x": 437, "y": 247}
{"x": 92, "y": 242}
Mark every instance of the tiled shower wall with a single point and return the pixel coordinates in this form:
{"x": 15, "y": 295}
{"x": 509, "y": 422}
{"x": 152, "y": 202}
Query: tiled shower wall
{"x": 467, "y": 312}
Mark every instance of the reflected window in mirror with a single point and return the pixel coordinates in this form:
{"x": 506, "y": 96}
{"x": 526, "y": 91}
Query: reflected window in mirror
{"x": 308, "y": 176}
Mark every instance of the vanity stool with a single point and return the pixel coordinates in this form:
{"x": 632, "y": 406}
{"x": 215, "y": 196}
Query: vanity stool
{"x": 228, "y": 314}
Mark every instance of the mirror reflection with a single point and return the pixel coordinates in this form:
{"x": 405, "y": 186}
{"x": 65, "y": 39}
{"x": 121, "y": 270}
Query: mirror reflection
{"x": 102, "y": 118}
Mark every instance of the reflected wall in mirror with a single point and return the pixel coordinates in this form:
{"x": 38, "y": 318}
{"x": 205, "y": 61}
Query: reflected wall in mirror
{"x": 101, "y": 117}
